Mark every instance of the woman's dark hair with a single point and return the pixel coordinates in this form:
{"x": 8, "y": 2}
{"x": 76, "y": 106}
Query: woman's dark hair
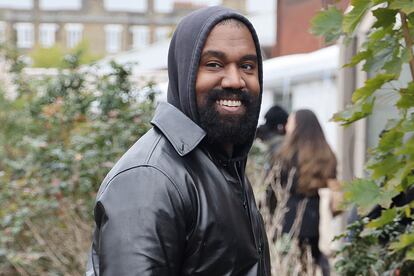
{"x": 307, "y": 150}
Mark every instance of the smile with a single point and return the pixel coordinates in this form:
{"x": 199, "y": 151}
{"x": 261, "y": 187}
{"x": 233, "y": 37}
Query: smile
{"x": 230, "y": 107}
{"x": 229, "y": 103}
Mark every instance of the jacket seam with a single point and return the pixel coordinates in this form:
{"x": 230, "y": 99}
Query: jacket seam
{"x": 153, "y": 146}
{"x": 153, "y": 167}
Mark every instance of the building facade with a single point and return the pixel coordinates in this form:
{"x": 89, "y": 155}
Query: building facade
{"x": 293, "y": 23}
{"x": 107, "y": 28}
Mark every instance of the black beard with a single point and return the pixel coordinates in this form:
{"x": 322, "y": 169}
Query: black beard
{"x": 229, "y": 129}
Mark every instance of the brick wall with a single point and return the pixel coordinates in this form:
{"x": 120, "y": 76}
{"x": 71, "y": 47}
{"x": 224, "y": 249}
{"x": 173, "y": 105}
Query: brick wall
{"x": 293, "y": 24}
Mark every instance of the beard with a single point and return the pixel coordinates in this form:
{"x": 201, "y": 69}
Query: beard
{"x": 236, "y": 129}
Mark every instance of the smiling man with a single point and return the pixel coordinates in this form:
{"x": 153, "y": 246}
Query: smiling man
{"x": 178, "y": 202}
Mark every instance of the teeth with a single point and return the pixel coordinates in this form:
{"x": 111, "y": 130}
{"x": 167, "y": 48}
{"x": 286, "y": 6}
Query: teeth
{"x": 229, "y": 103}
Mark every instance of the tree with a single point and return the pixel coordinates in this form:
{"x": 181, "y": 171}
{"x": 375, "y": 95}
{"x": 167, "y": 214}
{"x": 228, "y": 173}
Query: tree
{"x": 385, "y": 243}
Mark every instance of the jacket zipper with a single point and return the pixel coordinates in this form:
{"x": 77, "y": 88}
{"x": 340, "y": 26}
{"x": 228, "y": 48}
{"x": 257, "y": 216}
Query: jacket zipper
{"x": 246, "y": 205}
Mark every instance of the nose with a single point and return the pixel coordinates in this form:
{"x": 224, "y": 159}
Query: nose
{"x": 232, "y": 78}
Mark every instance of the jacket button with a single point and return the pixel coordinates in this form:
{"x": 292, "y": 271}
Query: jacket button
{"x": 259, "y": 250}
{"x": 244, "y": 204}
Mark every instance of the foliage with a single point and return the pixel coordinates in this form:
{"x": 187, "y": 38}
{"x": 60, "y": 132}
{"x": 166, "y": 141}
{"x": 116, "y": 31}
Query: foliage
{"x": 60, "y": 136}
{"x": 287, "y": 256}
{"x": 384, "y": 244}
{"x": 54, "y": 57}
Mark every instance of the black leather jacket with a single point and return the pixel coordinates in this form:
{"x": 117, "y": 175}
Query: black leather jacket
{"x": 169, "y": 208}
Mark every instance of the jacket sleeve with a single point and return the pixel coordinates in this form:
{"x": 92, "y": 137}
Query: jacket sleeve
{"x": 140, "y": 225}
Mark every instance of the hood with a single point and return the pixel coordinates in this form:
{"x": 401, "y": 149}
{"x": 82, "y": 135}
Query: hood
{"x": 184, "y": 56}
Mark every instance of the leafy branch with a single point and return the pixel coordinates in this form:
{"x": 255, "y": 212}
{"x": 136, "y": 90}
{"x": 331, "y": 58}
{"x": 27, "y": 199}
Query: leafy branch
{"x": 383, "y": 197}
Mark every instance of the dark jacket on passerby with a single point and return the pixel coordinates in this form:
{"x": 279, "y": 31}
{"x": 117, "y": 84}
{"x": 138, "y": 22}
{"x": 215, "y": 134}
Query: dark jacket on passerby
{"x": 172, "y": 205}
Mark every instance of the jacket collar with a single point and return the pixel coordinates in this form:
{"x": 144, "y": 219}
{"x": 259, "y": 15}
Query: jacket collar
{"x": 179, "y": 130}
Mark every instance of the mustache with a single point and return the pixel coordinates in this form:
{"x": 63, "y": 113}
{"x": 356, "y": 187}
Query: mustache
{"x": 230, "y": 94}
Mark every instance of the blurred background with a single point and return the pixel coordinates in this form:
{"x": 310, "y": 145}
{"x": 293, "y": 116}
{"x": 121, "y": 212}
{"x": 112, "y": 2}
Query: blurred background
{"x": 79, "y": 80}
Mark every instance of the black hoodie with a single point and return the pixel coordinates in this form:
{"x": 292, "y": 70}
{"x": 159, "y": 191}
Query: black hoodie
{"x": 167, "y": 207}
{"x": 184, "y": 57}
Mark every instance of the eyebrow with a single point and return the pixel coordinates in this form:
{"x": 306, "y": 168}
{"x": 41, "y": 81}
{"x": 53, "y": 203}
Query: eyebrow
{"x": 221, "y": 55}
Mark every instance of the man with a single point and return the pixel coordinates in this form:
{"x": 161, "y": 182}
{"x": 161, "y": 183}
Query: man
{"x": 271, "y": 135}
{"x": 178, "y": 202}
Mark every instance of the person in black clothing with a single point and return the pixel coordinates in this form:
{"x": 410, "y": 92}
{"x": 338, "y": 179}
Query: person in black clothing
{"x": 271, "y": 134}
{"x": 305, "y": 149}
{"x": 178, "y": 202}
{"x": 274, "y": 126}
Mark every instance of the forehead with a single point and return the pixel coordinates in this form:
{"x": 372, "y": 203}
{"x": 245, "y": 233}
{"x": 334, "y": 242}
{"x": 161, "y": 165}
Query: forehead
{"x": 230, "y": 34}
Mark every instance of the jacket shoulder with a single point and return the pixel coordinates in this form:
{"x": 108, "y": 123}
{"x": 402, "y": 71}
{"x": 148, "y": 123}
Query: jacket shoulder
{"x": 152, "y": 152}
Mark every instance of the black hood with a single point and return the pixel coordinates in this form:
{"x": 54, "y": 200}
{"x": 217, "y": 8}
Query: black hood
{"x": 184, "y": 56}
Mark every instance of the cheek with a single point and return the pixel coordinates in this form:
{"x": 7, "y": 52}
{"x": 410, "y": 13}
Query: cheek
{"x": 201, "y": 88}
{"x": 253, "y": 85}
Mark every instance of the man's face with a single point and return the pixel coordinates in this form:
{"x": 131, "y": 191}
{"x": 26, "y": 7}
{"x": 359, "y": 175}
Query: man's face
{"x": 227, "y": 85}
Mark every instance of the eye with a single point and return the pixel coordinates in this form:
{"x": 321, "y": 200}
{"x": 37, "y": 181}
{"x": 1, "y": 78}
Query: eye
{"x": 213, "y": 64}
{"x": 248, "y": 66}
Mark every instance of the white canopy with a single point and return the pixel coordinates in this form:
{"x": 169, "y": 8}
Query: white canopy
{"x": 300, "y": 66}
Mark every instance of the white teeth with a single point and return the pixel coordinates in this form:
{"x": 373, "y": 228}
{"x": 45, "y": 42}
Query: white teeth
{"x": 229, "y": 103}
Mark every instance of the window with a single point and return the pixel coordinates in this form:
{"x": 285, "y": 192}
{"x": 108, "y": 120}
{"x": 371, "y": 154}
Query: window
{"x": 25, "y": 35}
{"x": 140, "y": 36}
{"x": 163, "y": 6}
{"x": 206, "y": 2}
{"x": 47, "y": 33}
{"x": 2, "y": 32}
{"x": 60, "y": 5}
{"x": 73, "y": 34}
{"x": 13, "y": 4}
{"x": 126, "y": 5}
{"x": 113, "y": 38}
{"x": 162, "y": 33}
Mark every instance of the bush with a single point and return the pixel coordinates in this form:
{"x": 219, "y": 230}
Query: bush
{"x": 60, "y": 136}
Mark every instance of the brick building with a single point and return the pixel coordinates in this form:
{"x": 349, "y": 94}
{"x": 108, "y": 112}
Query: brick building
{"x": 107, "y": 29}
{"x": 293, "y": 24}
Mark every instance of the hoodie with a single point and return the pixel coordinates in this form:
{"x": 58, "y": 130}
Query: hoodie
{"x": 184, "y": 55}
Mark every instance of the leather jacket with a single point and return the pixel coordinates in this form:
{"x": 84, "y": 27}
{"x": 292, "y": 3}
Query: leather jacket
{"x": 169, "y": 207}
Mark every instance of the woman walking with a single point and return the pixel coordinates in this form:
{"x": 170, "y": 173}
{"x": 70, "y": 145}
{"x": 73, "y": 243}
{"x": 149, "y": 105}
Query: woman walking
{"x": 306, "y": 151}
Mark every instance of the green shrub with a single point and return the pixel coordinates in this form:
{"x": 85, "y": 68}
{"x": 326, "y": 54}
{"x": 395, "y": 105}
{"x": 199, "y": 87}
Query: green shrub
{"x": 59, "y": 138}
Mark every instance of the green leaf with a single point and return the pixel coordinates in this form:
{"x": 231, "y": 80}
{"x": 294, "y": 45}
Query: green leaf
{"x": 371, "y": 86}
{"x": 385, "y": 166}
{"x": 390, "y": 139}
{"x": 383, "y": 52}
{"x": 364, "y": 193}
{"x": 411, "y": 18}
{"x": 405, "y": 240}
{"x": 399, "y": 182}
{"x": 408, "y": 124}
{"x": 394, "y": 66}
{"x": 352, "y": 19}
{"x": 386, "y": 217}
{"x": 406, "y": 97}
{"x": 406, "y": 55}
{"x": 385, "y": 17}
{"x": 328, "y": 24}
{"x": 386, "y": 197}
{"x": 406, "y": 6}
{"x": 363, "y": 55}
{"x": 407, "y": 147}
{"x": 354, "y": 112}
{"x": 409, "y": 255}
